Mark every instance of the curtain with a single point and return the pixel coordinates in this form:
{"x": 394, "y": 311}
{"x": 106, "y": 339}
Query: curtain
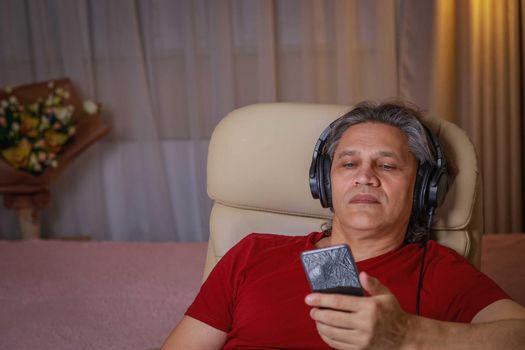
{"x": 471, "y": 76}
{"x": 165, "y": 73}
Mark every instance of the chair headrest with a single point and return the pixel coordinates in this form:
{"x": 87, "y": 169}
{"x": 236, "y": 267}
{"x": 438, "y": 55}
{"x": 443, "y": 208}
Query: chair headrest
{"x": 256, "y": 161}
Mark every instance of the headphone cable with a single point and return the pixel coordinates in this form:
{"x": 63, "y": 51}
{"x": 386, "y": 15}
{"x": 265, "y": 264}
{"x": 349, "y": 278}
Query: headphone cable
{"x": 421, "y": 268}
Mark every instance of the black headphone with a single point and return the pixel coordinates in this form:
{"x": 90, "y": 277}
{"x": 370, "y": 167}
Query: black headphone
{"x": 429, "y": 190}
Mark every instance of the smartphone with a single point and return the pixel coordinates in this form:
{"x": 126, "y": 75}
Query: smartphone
{"x": 332, "y": 270}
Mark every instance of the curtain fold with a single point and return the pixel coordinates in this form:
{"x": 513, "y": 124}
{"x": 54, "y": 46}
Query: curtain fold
{"x": 521, "y": 12}
{"x": 477, "y": 86}
{"x": 167, "y": 71}
{"x": 468, "y": 73}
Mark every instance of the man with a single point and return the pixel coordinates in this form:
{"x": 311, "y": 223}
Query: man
{"x": 255, "y": 296}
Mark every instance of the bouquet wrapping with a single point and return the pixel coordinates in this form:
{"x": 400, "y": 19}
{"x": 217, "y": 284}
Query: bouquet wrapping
{"x": 43, "y": 127}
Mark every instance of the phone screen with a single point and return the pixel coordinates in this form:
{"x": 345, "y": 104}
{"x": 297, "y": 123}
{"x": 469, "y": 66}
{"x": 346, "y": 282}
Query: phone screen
{"x": 332, "y": 270}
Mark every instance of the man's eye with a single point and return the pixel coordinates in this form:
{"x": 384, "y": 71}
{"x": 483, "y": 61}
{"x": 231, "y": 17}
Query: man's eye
{"x": 348, "y": 165}
{"x": 388, "y": 166}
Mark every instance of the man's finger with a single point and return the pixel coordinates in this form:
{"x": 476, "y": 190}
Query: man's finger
{"x": 336, "y": 318}
{"x": 341, "y": 302}
{"x": 339, "y": 338}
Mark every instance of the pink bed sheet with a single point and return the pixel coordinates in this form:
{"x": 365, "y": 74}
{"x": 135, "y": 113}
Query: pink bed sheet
{"x": 114, "y": 295}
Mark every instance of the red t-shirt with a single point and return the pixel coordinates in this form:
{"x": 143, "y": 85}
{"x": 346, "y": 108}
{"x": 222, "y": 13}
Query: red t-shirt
{"x": 256, "y": 291}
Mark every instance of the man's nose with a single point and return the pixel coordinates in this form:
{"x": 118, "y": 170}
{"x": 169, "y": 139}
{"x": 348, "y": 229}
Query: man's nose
{"x": 366, "y": 176}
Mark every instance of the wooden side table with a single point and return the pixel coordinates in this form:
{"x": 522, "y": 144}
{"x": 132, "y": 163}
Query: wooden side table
{"x": 28, "y": 207}
{"x": 29, "y": 223}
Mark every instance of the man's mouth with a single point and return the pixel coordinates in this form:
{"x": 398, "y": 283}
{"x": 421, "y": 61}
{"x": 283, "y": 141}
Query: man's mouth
{"x": 363, "y": 198}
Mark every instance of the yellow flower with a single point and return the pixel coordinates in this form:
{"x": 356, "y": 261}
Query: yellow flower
{"x": 18, "y": 155}
{"x": 33, "y": 107}
{"x": 29, "y": 125}
{"x": 55, "y": 140}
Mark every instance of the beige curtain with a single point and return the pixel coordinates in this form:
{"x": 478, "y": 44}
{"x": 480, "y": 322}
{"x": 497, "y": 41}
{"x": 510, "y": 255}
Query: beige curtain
{"x": 470, "y": 75}
{"x": 166, "y": 71}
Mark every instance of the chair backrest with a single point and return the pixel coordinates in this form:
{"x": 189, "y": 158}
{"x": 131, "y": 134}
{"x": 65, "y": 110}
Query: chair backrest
{"x": 258, "y": 163}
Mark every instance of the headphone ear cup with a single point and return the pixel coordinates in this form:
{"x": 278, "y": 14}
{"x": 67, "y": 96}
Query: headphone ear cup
{"x": 326, "y": 186}
{"x": 419, "y": 204}
{"x": 319, "y": 174}
{"x": 441, "y": 188}
{"x": 319, "y": 180}
{"x": 432, "y": 181}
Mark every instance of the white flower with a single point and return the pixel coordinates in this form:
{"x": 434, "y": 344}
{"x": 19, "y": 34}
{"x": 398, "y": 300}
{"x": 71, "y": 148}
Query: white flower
{"x": 33, "y": 160}
{"x": 61, "y": 113}
{"x": 15, "y": 126}
{"x": 90, "y": 107}
{"x": 44, "y": 123}
{"x": 8, "y": 89}
{"x": 13, "y": 99}
{"x": 4, "y": 103}
{"x": 34, "y": 163}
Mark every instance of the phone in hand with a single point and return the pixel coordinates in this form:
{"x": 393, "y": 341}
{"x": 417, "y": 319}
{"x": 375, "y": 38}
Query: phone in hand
{"x": 332, "y": 270}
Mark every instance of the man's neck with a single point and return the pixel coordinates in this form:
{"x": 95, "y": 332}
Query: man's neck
{"x": 364, "y": 244}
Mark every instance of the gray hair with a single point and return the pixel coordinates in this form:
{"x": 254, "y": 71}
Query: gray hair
{"x": 400, "y": 116}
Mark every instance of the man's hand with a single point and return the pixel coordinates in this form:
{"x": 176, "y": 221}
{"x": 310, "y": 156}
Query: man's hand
{"x": 350, "y": 322}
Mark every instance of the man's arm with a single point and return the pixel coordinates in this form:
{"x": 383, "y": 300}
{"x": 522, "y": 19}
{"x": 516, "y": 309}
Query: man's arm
{"x": 347, "y": 322}
{"x": 501, "y": 325}
{"x": 193, "y": 334}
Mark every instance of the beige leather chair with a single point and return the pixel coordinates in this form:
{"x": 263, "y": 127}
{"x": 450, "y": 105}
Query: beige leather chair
{"x": 258, "y": 163}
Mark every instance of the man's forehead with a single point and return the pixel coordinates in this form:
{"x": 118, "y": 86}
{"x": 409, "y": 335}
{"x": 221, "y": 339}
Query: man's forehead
{"x": 380, "y": 153}
{"x": 377, "y": 138}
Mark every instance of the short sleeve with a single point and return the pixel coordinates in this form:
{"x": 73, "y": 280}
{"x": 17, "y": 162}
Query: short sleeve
{"x": 461, "y": 290}
{"x": 214, "y": 303}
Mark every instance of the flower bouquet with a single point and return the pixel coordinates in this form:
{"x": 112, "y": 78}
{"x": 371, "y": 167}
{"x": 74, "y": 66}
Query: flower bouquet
{"x": 43, "y": 127}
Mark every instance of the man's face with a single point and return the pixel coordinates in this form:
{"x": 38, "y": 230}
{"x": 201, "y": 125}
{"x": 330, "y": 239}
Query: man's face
{"x": 373, "y": 175}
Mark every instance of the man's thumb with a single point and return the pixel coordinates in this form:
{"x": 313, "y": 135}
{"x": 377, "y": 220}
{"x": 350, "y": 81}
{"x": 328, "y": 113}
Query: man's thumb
{"x": 372, "y": 285}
